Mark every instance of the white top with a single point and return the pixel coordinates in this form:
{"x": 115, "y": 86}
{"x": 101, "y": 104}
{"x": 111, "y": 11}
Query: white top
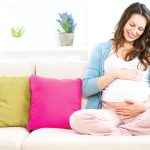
{"x": 119, "y": 89}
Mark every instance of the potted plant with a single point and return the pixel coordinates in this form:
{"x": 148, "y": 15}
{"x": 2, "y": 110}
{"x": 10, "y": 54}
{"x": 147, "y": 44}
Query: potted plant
{"x": 17, "y": 31}
{"x": 66, "y": 32}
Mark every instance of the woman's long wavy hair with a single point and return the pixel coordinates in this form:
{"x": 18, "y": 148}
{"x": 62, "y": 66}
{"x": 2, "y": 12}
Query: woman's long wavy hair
{"x": 141, "y": 46}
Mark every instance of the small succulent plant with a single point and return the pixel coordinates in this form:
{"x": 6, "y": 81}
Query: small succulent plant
{"x": 17, "y": 31}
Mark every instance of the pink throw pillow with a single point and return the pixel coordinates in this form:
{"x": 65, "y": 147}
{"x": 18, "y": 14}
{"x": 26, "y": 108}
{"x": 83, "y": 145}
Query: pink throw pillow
{"x": 53, "y": 101}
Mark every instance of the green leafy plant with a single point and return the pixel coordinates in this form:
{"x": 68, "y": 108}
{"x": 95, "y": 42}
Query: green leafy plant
{"x": 67, "y": 23}
{"x": 17, "y": 31}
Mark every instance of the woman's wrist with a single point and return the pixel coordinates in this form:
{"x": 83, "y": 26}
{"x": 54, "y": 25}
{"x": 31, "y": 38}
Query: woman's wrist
{"x": 113, "y": 74}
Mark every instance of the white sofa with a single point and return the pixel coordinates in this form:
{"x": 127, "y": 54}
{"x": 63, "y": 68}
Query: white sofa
{"x": 18, "y": 138}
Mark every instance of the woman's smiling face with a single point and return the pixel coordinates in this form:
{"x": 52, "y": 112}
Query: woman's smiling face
{"x": 134, "y": 27}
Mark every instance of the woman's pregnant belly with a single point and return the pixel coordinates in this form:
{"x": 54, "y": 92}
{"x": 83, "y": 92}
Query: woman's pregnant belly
{"x": 119, "y": 90}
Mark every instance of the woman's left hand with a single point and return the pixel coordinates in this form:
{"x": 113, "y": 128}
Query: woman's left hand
{"x": 131, "y": 110}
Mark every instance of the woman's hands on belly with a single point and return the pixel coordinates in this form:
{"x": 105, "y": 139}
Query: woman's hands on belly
{"x": 127, "y": 109}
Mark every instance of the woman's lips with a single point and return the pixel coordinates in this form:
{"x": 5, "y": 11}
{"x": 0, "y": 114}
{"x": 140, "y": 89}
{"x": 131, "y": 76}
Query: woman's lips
{"x": 131, "y": 36}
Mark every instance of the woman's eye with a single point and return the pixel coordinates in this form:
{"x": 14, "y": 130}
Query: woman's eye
{"x": 132, "y": 25}
{"x": 141, "y": 29}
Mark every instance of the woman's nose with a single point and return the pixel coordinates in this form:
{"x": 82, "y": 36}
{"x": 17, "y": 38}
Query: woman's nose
{"x": 135, "y": 31}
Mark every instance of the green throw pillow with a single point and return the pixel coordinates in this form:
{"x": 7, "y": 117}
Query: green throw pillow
{"x": 14, "y": 101}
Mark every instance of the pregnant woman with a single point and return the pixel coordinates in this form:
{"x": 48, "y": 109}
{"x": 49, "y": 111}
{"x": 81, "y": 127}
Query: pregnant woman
{"x": 117, "y": 80}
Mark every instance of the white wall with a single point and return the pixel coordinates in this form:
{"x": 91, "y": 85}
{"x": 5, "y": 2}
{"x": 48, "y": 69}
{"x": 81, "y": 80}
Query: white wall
{"x": 39, "y": 19}
{"x": 103, "y": 16}
{"x": 95, "y": 19}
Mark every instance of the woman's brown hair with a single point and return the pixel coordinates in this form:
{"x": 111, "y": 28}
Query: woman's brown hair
{"x": 141, "y": 46}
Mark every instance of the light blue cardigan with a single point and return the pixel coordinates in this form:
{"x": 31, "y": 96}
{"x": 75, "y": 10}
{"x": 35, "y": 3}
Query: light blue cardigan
{"x": 94, "y": 70}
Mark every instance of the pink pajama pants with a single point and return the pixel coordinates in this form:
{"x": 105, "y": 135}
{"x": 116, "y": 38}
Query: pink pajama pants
{"x": 106, "y": 122}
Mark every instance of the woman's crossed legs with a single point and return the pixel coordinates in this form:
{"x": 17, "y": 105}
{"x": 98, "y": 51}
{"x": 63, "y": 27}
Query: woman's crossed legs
{"x": 106, "y": 122}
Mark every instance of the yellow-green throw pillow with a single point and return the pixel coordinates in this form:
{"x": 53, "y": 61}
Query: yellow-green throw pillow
{"x": 14, "y": 101}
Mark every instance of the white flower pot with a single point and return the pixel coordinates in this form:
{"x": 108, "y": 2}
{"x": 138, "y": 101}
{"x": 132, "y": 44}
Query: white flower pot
{"x": 66, "y": 39}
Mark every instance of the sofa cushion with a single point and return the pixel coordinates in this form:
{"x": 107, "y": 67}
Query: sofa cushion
{"x": 62, "y": 70}
{"x": 53, "y": 101}
{"x": 14, "y": 101}
{"x": 11, "y": 138}
{"x": 65, "y": 139}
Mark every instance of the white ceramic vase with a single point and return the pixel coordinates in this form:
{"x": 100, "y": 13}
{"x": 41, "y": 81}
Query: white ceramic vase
{"x": 66, "y": 39}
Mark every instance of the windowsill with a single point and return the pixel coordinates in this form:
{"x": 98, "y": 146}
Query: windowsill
{"x": 46, "y": 49}
{"x": 45, "y": 53}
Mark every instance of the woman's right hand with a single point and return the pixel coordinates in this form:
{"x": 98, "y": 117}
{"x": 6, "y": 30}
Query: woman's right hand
{"x": 124, "y": 74}
{"x": 127, "y": 74}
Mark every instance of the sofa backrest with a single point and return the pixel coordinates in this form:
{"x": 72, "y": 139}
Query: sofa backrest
{"x": 50, "y": 69}
{"x": 14, "y": 68}
{"x": 61, "y": 69}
